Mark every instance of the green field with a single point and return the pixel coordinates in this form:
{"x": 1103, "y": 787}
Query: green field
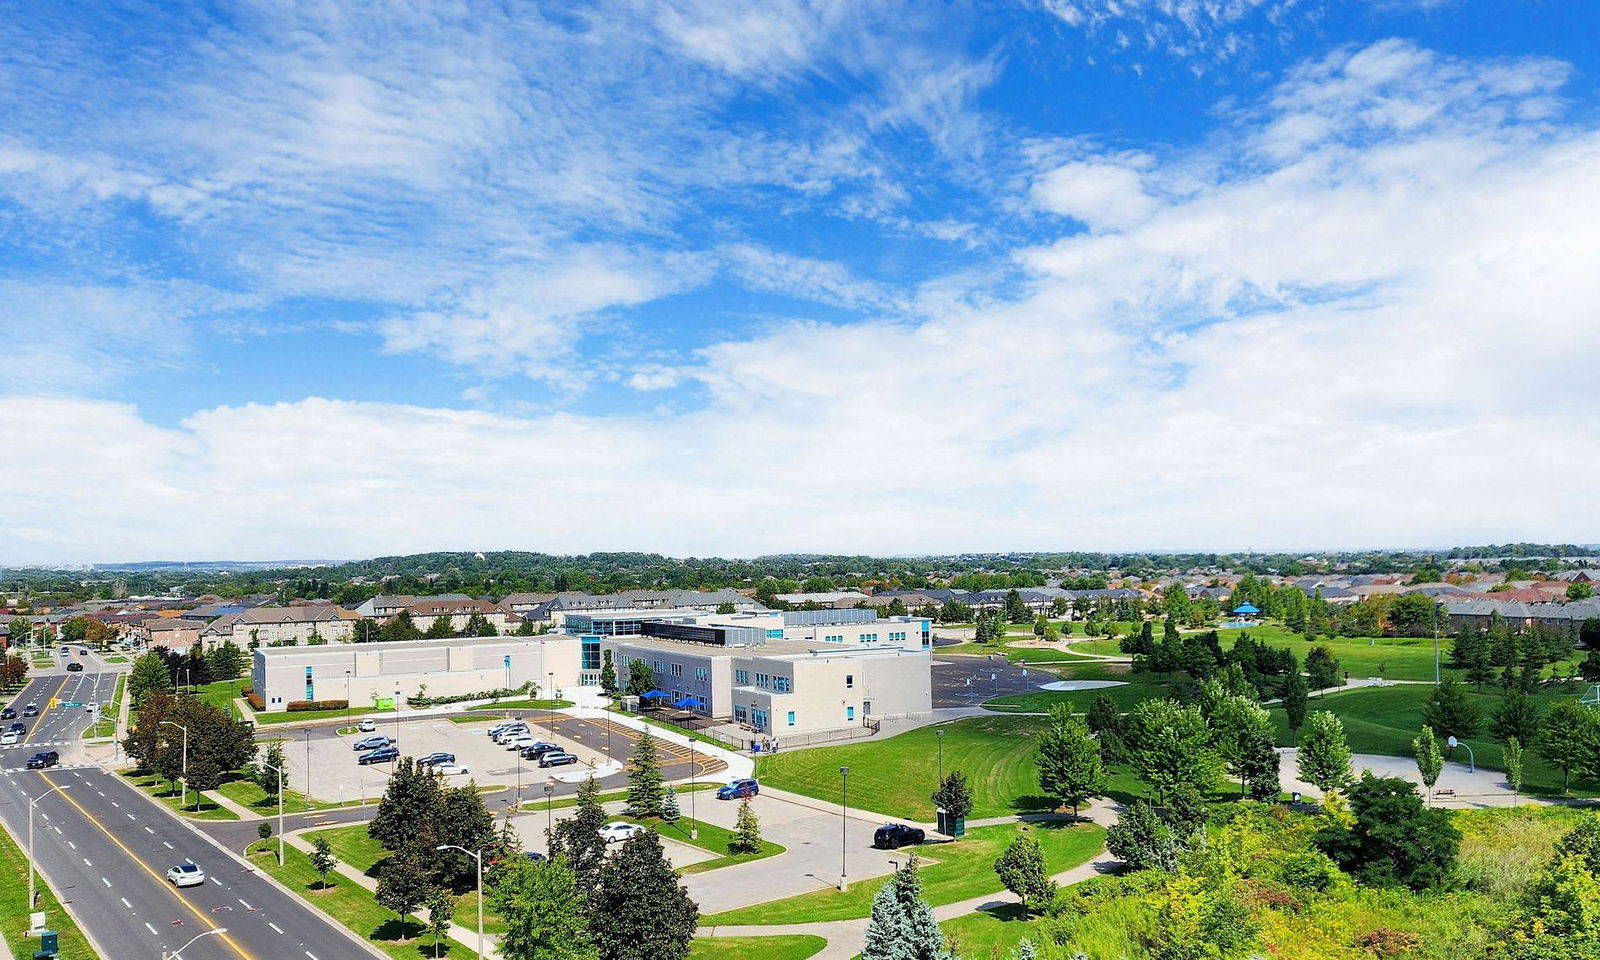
{"x": 952, "y": 872}
{"x": 352, "y": 906}
{"x": 115, "y": 658}
{"x": 751, "y": 948}
{"x": 221, "y": 694}
{"x": 14, "y": 907}
{"x": 896, "y": 776}
{"x": 248, "y": 793}
{"x": 989, "y": 933}
{"x": 1135, "y": 687}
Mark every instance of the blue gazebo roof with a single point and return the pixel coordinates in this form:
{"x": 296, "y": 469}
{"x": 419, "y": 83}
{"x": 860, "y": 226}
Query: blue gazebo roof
{"x": 1247, "y": 608}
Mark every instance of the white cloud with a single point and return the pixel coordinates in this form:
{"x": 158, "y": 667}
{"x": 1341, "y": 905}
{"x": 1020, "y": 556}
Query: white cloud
{"x": 1102, "y": 195}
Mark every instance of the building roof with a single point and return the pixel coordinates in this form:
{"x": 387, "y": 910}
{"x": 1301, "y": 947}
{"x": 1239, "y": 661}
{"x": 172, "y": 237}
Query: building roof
{"x": 163, "y": 624}
{"x": 315, "y": 613}
{"x": 351, "y": 649}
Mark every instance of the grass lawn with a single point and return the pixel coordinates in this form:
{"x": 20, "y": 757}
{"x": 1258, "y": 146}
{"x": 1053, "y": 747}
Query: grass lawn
{"x": 766, "y": 948}
{"x": 14, "y": 908}
{"x": 989, "y": 933}
{"x": 115, "y": 659}
{"x": 106, "y": 726}
{"x": 951, "y": 872}
{"x": 198, "y": 807}
{"x": 285, "y": 716}
{"x": 1042, "y": 655}
{"x": 249, "y": 794}
{"x": 1135, "y": 687}
{"x": 524, "y": 705}
{"x": 711, "y": 838}
{"x": 221, "y": 695}
{"x": 896, "y": 776}
{"x": 1385, "y": 720}
{"x": 352, "y": 846}
{"x": 354, "y": 907}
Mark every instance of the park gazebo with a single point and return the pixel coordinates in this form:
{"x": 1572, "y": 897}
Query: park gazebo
{"x": 1246, "y": 611}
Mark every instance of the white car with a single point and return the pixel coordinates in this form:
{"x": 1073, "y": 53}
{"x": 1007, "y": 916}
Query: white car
{"x": 517, "y": 743}
{"x": 616, "y": 831}
{"x": 367, "y": 726}
{"x": 186, "y": 875}
{"x": 510, "y": 733}
{"x": 9, "y": 738}
{"x": 451, "y": 769}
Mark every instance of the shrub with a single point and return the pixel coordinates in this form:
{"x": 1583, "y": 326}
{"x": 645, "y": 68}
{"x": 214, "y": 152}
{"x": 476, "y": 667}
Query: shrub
{"x": 1384, "y": 942}
{"x": 255, "y": 700}
{"x": 295, "y": 706}
{"x": 420, "y": 700}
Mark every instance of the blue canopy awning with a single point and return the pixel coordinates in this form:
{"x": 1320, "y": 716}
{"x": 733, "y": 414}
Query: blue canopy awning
{"x": 655, "y": 694}
{"x": 1247, "y": 608}
{"x": 688, "y": 703}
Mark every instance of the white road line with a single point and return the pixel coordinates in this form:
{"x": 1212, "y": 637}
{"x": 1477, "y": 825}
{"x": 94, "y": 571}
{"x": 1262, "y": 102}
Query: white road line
{"x": 311, "y": 955}
{"x": 151, "y": 929}
{"x": 72, "y": 845}
{"x": 125, "y": 902}
{"x": 246, "y": 905}
{"x": 116, "y": 804}
{"x": 275, "y": 927}
{"x": 148, "y": 830}
{"x": 86, "y": 862}
{"x": 132, "y": 817}
{"x": 106, "y": 882}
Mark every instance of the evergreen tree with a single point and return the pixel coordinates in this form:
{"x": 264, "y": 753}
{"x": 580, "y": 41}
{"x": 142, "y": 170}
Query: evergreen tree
{"x": 1142, "y": 840}
{"x": 1021, "y": 869}
{"x": 226, "y": 661}
{"x": 479, "y": 626}
{"x": 746, "y": 831}
{"x": 1071, "y": 769}
{"x": 1324, "y": 758}
{"x": 440, "y": 629}
{"x": 1015, "y": 610}
{"x": 608, "y": 674}
{"x": 896, "y": 608}
{"x": 542, "y": 906}
{"x": 576, "y": 839}
{"x": 1322, "y": 670}
{"x": 902, "y": 925}
{"x": 1517, "y": 719}
{"x": 669, "y": 805}
{"x": 1589, "y": 667}
{"x": 1450, "y": 712}
{"x": 1105, "y": 722}
{"x": 1429, "y": 761}
{"x": 1296, "y": 695}
{"x": 400, "y": 627}
{"x": 954, "y": 796}
{"x": 639, "y": 910}
{"x": 644, "y": 780}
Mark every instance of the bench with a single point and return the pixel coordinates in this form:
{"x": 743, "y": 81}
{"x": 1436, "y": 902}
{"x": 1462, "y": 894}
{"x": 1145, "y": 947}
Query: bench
{"x": 1445, "y": 793}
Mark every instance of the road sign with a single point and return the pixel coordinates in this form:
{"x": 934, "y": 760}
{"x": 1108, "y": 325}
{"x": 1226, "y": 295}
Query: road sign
{"x": 68, "y": 703}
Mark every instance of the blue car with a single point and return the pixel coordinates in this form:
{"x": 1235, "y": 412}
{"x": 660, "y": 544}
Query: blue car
{"x": 738, "y": 790}
{"x": 371, "y": 743}
{"x": 380, "y": 755}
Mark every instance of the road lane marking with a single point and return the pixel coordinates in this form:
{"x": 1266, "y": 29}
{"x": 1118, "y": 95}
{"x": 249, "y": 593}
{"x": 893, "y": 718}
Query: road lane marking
{"x": 125, "y": 902}
{"x": 166, "y": 844}
{"x": 151, "y": 929}
{"x": 148, "y": 830}
{"x": 106, "y": 882}
{"x": 246, "y": 905}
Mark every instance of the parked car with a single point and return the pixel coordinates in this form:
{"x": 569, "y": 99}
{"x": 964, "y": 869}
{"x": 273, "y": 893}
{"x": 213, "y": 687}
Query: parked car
{"x": 534, "y": 855}
{"x": 557, "y": 758}
{"x": 616, "y": 831}
{"x": 436, "y": 758}
{"x": 43, "y": 759}
{"x": 371, "y": 743}
{"x": 65, "y": 651}
{"x": 893, "y": 836}
{"x": 31, "y": 710}
{"x": 74, "y": 667}
{"x": 509, "y": 734}
{"x": 9, "y": 713}
{"x": 451, "y": 769}
{"x": 367, "y": 726}
{"x": 186, "y": 875}
{"x": 522, "y": 743}
{"x": 538, "y": 750}
{"x": 739, "y": 789}
{"x": 10, "y": 738}
{"x": 380, "y": 755}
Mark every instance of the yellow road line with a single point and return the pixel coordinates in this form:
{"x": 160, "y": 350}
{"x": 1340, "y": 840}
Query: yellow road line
{"x": 40, "y": 718}
{"x": 204, "y": 917}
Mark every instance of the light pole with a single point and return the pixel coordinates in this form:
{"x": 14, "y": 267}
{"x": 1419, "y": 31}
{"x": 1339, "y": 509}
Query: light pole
{"x": 844, "y": 804}
{"x": 694, "y": 825}
{"x": 347, "y": 698}
{"x": 280, "y": 807}
{"x": 308, "y": 763}
{"x": 397, "y": 719}
{"x": 31, "y": 804}
{"x": 549, "y": 806}
{"x": 168, "y": 723}
{"x": 173, "y": 954}
{"x": 478, "y": 859}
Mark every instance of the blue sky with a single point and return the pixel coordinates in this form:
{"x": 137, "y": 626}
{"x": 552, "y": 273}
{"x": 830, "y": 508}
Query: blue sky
{"x": 286, "y": 279}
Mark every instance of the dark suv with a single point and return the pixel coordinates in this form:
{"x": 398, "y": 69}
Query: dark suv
{"x": 893, "y": 836}
{"x": 42, "y": 759}
{"x": 74, "y": 667}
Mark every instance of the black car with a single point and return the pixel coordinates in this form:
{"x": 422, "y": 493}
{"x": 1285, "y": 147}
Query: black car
{"x": 42, "y": 759}
{"x": 74, "y": 667}
{"x": 893, "y": 836}
{"x": 380, "y": 755}
{"x": 9, "y": 713}
{"x": 31, "y": 710}
{"x": 434, "y": 759}
{"x": 18, "y": 727}
{"x": 538, "y": 750}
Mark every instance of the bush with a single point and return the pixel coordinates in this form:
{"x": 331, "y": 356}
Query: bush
{"x": 295, "y": 706}
{"x": 501, "y": 694}
{"x": 255, "y": 700}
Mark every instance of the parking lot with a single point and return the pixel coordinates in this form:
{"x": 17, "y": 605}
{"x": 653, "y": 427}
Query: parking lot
{"x": 320, "y": 761}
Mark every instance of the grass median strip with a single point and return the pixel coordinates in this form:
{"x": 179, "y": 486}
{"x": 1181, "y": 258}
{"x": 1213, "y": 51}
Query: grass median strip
{"x": 952, "y": 872}
{"x": 14, "y": 909}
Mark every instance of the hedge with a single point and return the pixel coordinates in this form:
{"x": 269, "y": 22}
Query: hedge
{"x": 501, "y": 694}
{"x": 294, "y": 706}
{"x": 255, "y": 700}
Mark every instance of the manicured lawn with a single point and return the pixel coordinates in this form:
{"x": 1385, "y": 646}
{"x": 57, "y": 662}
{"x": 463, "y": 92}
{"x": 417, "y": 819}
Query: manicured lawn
{"x": 952, "y": 872}
{"x": 1135, "y": 687}
{"x": 990, "y": 933}
{"x": 896, "y": 776}
{"x": 352, "y": 846}
{"x": 749, "y": 948}
{"x": 14, "y": 908}
{"x": 221, "y": 695}
{"x": 249, "y": 794}
{"x": 107, "y": 724}
{"x": 354, "y": 907}
{"x": 285, "y": 716}
{"x": 524, "y": 705}
{"x": 198, "y": 807}
{"x": 115, "y": 659}
{"x": 711, "y": 838}
{"x": 1014, "y": 653}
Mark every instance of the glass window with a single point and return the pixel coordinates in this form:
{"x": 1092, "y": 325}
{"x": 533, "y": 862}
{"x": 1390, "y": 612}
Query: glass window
{"x": 791, "y": 718}
{"x": 849, "y": 681}
{"x": 849, "y": 713}
{"x": 741, "y": 677}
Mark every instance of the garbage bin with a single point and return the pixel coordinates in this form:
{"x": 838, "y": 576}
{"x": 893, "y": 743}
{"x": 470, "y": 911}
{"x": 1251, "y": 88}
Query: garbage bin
{"x": 49, "y": 945}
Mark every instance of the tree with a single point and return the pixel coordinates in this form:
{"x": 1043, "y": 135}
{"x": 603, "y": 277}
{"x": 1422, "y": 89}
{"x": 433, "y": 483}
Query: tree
{"x": 217, "y": 743}
{"x": 639, "y": 910}
{"x": 1015, "y": 611}
{"x": 1517, "y": 719}
{"x": 1258, "y": 767}
{"x": 1170, "y": 744}
{"x": 1324, "y": 757}
{"x": 1105, "y": 722}
{"x": 1412, "y": 615}
{"x": 149, "y": 674}
{"x": 1022, "y": 871}
{"x": 463, "y": 821}
{"x": 640, "y": 678}
{"x": 406, "y": 881}
{"x": 441, "y": 908}
{"x": 954, "y": 796}
{"x": 1589, "y": 667}
{"x": 322, "y": 859}
{"x": 442, "y": 628}
{"x": 608, "y": 674}
{"x": 896, "y": 608}
{"x": 20, "y": 630}
{"x": 1564, "y": 736}
{"x": 268, "y": 777}
{"x": 644, "y": 780}
{"x": 746, "y": 831}
{"x": 1580, "y": 591}
{"x": 226, "y": 661}
{"x": 1393, "y": 840}
{"x": 1236, "y": 723}
{"x": 1322, "y": 670}
{"x": 577, "y": 839}
{"x": 478, "y": 626}
{"x": 902, "y": 926}
{"x": 669, "y": 805}
{"x": 1071, "y": 769}
{"x": 1142, "y": 840}
{"x": 1513, "y": 763}
{"x": 264, "y": 830}
{"x": 400, "y": 627}
{"x": 542, "y": 906}
{"x": 1295, "y": 699}
{"x": 1450, "y": 712}
{"x": 1430, "y": 762}
{"x": 410, "y": 804}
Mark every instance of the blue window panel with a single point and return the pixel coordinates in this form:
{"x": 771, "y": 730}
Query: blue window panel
{"x": 849, "y": 713}
{"x": 791, "y": 718}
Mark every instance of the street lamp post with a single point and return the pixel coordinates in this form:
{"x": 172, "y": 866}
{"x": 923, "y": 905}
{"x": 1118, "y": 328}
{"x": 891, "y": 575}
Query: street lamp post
{"x": 397, "y": 719}
{"x": 31, "y": 804}
{"x": 174, "y": 954}
{"x": 478, "y": 859}
{"x": 308, "y": 763}
{"x": 844, "y": 804}
{"x": 185, "y": 800}
{"x": 694, "y": 825}
{"x": 279, "y": 771}
{"x": 549, "y": 806}
{"x": 347, "y": 698}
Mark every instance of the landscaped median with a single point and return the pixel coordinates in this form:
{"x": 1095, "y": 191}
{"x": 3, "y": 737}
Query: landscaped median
{"x": 198, "y": 808}
{"x": 952, "y": 872}
{"x": 106, "y": 726}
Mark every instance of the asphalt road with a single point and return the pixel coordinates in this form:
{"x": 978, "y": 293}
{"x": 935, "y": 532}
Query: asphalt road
{"x": 107, "y": 850}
